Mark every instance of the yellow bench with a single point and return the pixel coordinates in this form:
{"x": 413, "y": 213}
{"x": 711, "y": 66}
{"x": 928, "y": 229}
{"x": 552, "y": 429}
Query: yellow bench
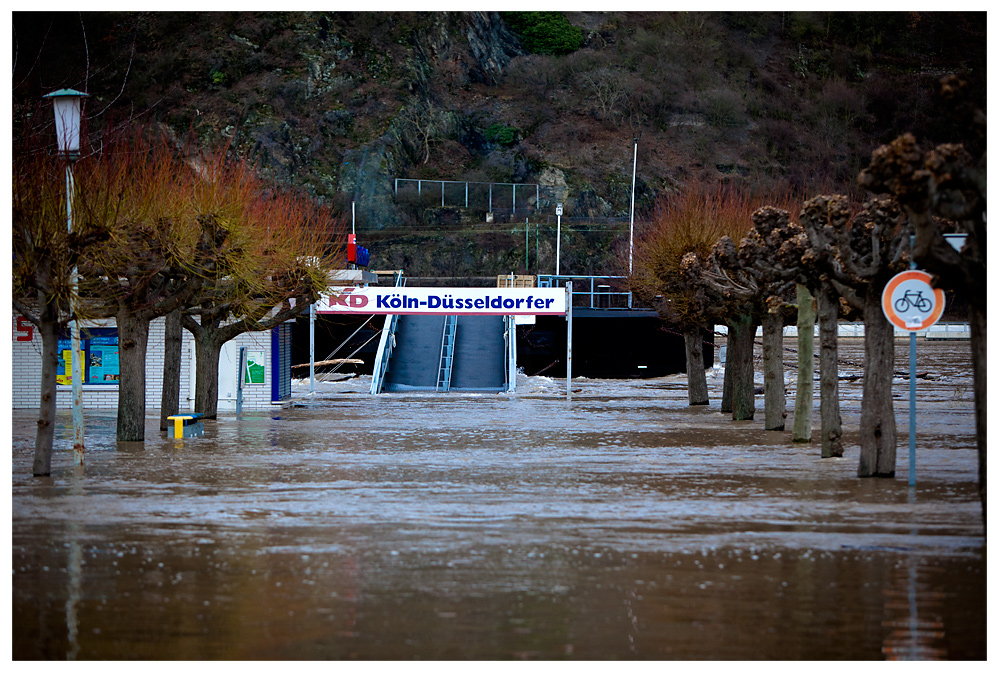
{"x": 186, "y": 425}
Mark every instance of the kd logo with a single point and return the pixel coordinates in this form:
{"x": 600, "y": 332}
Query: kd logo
{"x": 348, "y": 300}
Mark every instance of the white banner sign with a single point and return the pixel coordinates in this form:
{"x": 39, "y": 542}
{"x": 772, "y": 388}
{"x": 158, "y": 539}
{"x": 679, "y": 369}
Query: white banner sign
{"x": 445, "y": 301}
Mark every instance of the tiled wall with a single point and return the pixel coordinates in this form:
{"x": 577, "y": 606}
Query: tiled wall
{"x": 26, "y": 369}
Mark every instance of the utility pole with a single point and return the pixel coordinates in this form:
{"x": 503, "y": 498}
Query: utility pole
{"x": 631, "y": 235}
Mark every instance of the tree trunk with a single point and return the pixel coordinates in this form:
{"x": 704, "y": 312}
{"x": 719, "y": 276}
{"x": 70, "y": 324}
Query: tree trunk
{"x": 49, "y": 329}
{"x": 877, "y": 412}
{"x": 774, "y": 397}
{"x": 173, "y": 335}
{"x": 697, "y": 383}
{"x": 978, "y": 346}
{"x": 802, "y": 430}
{"x": 133, "y": 338}
{"x": 741, "y": 332}
{"x": 206, "y": 377}
{"x": 726, "y": 400}
{"x": 831, "y": 423}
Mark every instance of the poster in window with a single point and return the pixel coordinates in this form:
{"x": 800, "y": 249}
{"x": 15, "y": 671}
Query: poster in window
{"x": 64, "y": 373}
{"x": 102, "y": 358}
{"x": 254, "y": 367}
{"x": 64, "y": 370}
{"x": 99, "y": 348}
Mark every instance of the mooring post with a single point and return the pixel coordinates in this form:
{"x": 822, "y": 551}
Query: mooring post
{"x": 568, "y": 341}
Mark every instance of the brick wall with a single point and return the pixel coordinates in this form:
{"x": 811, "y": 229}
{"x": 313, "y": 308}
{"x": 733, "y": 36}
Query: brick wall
{"x": 26, "y": 367}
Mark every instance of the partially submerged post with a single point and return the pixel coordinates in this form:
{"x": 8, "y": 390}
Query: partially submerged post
{"x": 568, "y": 341}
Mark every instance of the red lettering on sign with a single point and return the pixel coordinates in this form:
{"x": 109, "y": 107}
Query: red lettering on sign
{"x": 358, "y": 301}
{"x": 340, "y": 299}
{"x": 23, "y": 330}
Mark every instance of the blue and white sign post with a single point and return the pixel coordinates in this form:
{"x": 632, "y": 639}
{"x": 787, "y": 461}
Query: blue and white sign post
{"x": 911, "y": 303}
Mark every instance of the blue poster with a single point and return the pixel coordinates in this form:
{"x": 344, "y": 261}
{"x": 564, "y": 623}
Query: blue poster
{"x": 102, "y": 359}
{"x": 99, "y": 348}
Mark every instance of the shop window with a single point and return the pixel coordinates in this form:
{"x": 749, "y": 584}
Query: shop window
{"x": 99, "y": 347}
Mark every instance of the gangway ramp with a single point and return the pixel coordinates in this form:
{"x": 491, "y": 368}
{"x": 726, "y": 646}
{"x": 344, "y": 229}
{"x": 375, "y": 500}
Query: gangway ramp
{"x": 473, "y": 347}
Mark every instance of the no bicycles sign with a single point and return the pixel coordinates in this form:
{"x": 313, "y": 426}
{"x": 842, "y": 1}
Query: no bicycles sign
{"x": 910, "y": 302}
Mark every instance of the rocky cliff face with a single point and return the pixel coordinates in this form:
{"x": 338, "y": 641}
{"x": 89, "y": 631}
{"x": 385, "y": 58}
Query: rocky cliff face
{"x": 342, "y": 103}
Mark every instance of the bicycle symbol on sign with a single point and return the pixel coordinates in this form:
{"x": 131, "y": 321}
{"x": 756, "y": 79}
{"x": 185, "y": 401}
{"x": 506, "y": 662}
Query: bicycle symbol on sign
{"x": 913, "y": 299}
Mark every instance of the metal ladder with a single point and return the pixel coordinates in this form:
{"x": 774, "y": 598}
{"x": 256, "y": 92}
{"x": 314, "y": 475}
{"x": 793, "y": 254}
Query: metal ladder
{"x": 447, "y": 354}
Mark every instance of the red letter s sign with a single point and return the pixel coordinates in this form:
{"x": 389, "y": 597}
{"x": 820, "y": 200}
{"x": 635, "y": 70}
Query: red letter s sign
{"x": 23, "y": 330}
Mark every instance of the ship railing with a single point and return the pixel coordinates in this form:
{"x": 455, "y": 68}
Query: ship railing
{"x": 599, "y": 292}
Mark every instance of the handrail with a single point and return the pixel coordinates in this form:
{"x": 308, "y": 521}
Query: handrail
{"x": 385, "y": 346}
{"x": 594, "y": 296}
{"x": 447, "y": 354}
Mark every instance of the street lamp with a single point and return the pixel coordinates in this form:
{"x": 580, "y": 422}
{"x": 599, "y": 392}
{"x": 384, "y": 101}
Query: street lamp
{"x": 558, "y": 242}
{"x": 66, "y": 105}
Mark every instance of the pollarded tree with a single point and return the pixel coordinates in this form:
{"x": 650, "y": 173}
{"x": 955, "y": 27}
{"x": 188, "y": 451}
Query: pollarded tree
{"x": 161, "y": 249}
{"x": 789, "y": 256}
{"x": 737, "y": 280}
{"x": 288, "y": 247}
{"x": 691, "y": 221}
{"x": 769, "y": 251}
{"x": 688, "y": 222}
{"x": 869, "y": 248}
{"x": 937, "y": 187}
{"x": 815, "y": 216}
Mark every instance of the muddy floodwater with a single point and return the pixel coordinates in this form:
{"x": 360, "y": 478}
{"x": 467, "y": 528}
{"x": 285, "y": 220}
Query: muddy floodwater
{"x": 621, "y": 525}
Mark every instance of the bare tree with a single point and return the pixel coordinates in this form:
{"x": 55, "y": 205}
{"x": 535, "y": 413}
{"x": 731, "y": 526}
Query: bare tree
{"x": 291, "y": 246}
{"x": 870, "y": 248}
{"x": 941, "y": 189}
{"x": 688, "y": 222}
{"x": 735, "y": 276}
{"x": 161, "y": 250}
{"x": 45, "y": 254}
{"x": 608, "y": 87}
{"x": 420, "y": 125}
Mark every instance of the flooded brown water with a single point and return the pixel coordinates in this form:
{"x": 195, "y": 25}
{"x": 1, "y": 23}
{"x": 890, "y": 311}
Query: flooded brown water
{"x": 622, "y": 525}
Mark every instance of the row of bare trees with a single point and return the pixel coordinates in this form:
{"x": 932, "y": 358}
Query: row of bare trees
{"x": 838, "y": 254}
{"x": 159, "y": 229}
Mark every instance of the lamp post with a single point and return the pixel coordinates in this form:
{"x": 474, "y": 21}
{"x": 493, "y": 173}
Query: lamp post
{"x": 558, "y": 242}
{"x": 66, "y": 105}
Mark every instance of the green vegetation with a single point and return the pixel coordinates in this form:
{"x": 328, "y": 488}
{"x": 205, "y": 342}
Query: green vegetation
{"x": 545, "y": 32}
{"x": 501, "y": 134}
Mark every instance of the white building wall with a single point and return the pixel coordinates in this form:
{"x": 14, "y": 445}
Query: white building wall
{"x": 255, "y": 395}
{"x": 26, "y": 362}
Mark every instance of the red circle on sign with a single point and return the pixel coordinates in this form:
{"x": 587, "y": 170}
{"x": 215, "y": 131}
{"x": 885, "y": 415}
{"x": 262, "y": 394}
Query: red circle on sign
{"x": 889, "y": 310}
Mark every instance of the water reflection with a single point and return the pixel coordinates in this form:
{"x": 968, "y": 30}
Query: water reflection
{"x": 624, "y": 525}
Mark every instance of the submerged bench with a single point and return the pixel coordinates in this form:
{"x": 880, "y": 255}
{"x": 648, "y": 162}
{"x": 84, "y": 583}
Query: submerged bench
{"x": 186, "y": 425}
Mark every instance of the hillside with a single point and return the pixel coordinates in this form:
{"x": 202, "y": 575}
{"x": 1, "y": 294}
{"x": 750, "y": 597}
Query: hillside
{"x": 342, "y": 104}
